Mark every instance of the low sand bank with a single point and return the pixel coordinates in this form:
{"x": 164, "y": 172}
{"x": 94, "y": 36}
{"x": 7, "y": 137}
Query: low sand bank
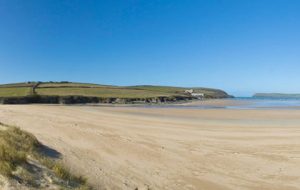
{"x": 218, "y": 102}
{"x": 166, "y": 148}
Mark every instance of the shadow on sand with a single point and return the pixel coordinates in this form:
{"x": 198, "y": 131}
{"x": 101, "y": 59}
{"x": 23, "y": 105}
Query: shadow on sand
{"x": 49, "y": 152}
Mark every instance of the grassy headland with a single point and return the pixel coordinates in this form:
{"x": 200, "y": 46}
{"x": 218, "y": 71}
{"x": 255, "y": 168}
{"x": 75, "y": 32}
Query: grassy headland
{"x": 69, "y": 92}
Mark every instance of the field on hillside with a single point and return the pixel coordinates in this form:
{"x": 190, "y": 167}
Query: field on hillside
{"x": 15, "y": 91}
{"x": 95, "y": 90}
{"x": 101, "y": 92}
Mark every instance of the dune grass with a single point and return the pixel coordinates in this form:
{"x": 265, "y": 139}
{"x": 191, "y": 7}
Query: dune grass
{"x": 17, "y": 147}
{"x": 14, "y": 147}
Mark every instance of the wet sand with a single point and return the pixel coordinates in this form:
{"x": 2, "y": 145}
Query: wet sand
{"x": 219, "y": 102}
{"x": 168, "y": 148}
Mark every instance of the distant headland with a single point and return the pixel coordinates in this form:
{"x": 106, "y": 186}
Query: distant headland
{"x": 65, "y": 92}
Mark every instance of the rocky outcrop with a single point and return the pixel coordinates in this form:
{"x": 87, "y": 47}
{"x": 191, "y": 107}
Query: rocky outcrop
{"x": 87, "y": 99}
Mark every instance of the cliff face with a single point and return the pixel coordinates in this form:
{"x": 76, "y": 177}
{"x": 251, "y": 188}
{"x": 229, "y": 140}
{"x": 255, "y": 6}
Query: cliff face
{"x": 85, "y": 99}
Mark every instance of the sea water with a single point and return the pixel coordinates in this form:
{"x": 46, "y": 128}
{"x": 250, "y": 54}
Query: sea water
{"x": 266, "y": 103}
{"x": 241, "y": 103}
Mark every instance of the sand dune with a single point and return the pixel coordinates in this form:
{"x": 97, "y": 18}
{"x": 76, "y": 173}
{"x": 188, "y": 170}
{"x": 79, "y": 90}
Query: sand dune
{"x": 166, "y": 148}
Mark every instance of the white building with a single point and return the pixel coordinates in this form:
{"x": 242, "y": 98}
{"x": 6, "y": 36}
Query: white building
{"x": 198, "y": 95}
{"x": 191, "y": 92}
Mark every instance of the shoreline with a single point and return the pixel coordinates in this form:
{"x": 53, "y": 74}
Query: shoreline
{"x": 204, "y": 104}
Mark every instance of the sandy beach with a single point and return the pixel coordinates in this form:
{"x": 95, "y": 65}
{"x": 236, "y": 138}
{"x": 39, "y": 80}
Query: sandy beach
{"x": 169, "y": 148}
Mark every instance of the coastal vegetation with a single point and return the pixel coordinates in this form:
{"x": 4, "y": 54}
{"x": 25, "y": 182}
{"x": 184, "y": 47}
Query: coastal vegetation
{"x": 25, "y": 164}
{"x": 69, "y": 93}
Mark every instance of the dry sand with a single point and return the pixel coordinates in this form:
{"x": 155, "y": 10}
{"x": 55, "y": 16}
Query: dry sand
{"x": 167, "y": 148}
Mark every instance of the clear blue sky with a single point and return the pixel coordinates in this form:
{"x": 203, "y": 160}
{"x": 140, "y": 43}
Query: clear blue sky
{"x": 241, "y": 46}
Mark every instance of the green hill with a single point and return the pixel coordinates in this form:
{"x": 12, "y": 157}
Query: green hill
{"x": 70, "y": 92}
